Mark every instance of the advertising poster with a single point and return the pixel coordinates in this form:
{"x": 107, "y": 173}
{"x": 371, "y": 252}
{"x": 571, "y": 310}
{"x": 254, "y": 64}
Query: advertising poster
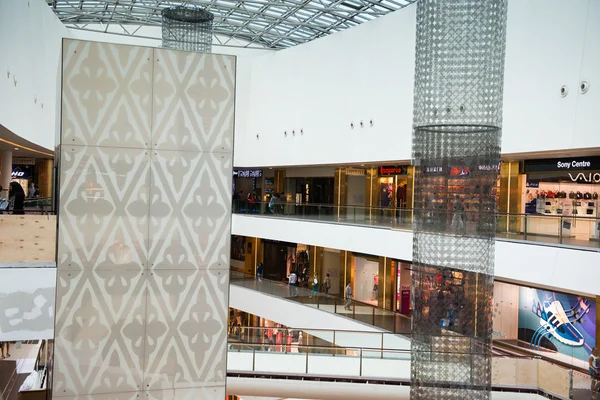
{"x": 557, "y": 321}
{"x": 460, "y": 171}
{"x": 238, "y": 248}
{"x": 269, "y": 186}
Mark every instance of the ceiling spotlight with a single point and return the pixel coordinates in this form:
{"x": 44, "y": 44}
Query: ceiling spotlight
{"x": 16, "y": 148}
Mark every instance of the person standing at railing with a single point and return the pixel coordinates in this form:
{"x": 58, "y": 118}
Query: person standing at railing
{"x": 594, "y": 361}
{"x": 250, "y": 200}
{"x": 33, "y": 192}
{"x": 348, "y": 296}
{"x": 281, "y": 203}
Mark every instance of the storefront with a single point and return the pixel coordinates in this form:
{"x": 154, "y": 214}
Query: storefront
{"x": 238, "y": 252}
{"x": 310, "y": 190}
{"x": 278, "y": 259}
{"x": 567, "y": 188}
{"x": 393, "y": 186}
{"x": 247, "y": 181}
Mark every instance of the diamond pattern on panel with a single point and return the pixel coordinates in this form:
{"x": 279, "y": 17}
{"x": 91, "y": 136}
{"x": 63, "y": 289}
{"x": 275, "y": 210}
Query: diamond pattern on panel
{"x": 100, "y": 322}
{"x": 186, "y": 329}
{"x": 107, "y": 94}
{"x": 190, "y": 210}
{"x": 194, "y": 96}
{"x": 103, "y": 222}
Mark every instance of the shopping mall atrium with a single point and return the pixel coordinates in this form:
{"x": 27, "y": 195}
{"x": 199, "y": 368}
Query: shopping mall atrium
{"x": 299, "y": 199}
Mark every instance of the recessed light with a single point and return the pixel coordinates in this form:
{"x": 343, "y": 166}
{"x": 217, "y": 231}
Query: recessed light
{"x": 16, "y": 148}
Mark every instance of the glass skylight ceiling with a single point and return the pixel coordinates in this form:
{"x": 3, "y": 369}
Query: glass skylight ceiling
{"x": 271, "y": 24}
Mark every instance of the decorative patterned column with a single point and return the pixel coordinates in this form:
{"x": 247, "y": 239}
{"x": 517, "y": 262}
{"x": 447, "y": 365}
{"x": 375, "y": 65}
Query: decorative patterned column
{"x": 456, "y": 149}
{"x": 144, "y": 223}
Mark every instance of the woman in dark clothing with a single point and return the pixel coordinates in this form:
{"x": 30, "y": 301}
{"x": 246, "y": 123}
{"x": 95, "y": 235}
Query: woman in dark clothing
{"x": 16, "y": 197}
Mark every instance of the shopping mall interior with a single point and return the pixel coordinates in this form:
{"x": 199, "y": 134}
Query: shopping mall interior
{"x": 285, "y": 199}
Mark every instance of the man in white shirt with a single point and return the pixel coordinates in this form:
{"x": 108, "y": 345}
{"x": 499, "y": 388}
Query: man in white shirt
{"x": 293, "y": 282}
{"x": 348, "y": 296}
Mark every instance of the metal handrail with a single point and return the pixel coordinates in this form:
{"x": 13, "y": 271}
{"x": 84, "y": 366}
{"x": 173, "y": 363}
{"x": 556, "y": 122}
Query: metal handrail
{"x": 403, "y": 218}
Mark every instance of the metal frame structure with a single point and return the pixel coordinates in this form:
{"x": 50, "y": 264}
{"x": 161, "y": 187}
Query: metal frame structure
{"x": 272, "y": 24}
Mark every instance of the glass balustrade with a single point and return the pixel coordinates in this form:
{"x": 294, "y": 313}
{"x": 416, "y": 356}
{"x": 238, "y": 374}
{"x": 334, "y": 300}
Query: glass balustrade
{"x": 366, "y": 313}
{"x": 572, "y": 230}
{"x": 295, "y": 358}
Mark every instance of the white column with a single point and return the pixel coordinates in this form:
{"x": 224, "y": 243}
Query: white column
{"x": 6, "y": 170}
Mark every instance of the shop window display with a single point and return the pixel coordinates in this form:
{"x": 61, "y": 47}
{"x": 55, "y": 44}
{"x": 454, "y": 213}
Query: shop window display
{"x": 566, "y": 190}
{"x": 366, "y": 281}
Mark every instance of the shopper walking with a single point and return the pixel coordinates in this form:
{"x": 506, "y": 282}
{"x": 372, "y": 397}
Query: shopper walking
{"x": 273, "y": 203}
{"x": 594, "y": 367}
{"x": 348, "y": 296}
{"x": 326, "y": 284}
{"x": 292, "y": 283}
{"x": 4, "y": 202}
{"x": 3, "y": 346}
{"x": 458, "y": 218}
{"x": 315, "y": 288}
{"x": 16, "y": 198}
{"x": 259, "y": 272}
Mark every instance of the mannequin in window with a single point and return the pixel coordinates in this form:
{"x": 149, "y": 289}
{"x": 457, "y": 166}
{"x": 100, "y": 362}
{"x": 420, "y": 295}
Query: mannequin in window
{"x": 375, "y": 287}
{"x": 400, "y": 201}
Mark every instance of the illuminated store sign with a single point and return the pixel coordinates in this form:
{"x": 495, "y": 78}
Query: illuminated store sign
{"x": 563, "y": 164}
{"x": 393, "y": 170}
{"x": 22, "y": 172}
{"x": 248, "y": 173}
{"x": 587, "y": 178}
{"x": 23, "y": 161}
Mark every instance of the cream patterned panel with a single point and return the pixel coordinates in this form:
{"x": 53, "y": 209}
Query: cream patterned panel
{"x": 106, "y": 94}
{"x": 144, "y": 223}
{"x": 194, "y": 96}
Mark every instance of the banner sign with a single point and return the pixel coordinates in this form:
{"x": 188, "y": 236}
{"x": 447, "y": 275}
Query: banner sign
{"x": 393, "y": 170}
{"x": 23, "y": 161}
{"x": 248, "y": 173}
{"x": 563, "y": 164}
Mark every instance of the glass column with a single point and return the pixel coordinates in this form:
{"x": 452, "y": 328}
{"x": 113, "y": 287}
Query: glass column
{"x": 456, "y": 148}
